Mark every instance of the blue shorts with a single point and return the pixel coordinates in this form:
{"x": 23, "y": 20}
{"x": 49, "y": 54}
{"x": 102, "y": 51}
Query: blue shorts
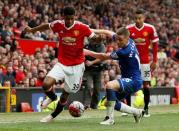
{"x": 127, "y": 87}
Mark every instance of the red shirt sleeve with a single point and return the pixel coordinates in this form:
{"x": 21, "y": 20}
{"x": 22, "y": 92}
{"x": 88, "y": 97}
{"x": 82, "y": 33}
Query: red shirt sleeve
{"x": 154, "y": 36}
{"x": 87, "y": 32}
{"x": 55, "y": 25}
{"x": 154, "y": 39}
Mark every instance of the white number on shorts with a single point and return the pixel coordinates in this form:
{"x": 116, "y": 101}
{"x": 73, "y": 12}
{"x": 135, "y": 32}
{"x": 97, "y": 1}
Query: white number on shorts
{"x": 147, "y": 73}
{"x": 76, "y": 86}
{"x": 127, "y": 79}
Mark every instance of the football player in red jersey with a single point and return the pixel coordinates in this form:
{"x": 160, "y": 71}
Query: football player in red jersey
{"x": 144, "y": 35}
{"x": 70, "y": 66}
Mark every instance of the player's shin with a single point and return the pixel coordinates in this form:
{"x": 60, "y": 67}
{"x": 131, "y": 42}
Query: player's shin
{"x": 52, "y": 97}
{"x": 61, "y": 103}
{"x": 128, "y": 109}
{"x": 111, "y": 99}
{"x": 146, "y": 97}
{"x": 58, "y": 109}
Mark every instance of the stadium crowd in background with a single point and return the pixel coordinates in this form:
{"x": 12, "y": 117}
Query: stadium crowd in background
{"x": 29, "y": 70}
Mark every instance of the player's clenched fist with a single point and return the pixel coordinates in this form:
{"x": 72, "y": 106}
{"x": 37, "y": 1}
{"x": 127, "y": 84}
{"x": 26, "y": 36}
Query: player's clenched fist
{"x": 28, "y": 29}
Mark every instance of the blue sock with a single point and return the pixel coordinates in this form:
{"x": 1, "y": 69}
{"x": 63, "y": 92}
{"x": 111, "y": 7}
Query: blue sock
{"x": 111, "y": 95}
{"x": 117, "y": 106}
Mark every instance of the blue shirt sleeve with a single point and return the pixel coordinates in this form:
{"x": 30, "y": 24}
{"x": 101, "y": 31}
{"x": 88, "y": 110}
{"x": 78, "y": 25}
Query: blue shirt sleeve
{"x": 114, "y": 56}
{"x": 117, "y": 54}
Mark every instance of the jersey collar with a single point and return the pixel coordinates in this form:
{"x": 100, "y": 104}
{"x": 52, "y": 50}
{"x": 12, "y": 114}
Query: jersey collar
{"x": 139, "y": 29}
{"x": 68, "y": 28}
{"x": 126, "y": 44}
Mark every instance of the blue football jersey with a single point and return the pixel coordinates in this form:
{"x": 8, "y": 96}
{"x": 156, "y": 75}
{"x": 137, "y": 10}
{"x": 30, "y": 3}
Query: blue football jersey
{"x": 128, "y": 58}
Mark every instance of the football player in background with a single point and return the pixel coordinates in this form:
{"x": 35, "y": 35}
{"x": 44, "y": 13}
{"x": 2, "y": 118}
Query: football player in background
{"x": 144, "y": 36}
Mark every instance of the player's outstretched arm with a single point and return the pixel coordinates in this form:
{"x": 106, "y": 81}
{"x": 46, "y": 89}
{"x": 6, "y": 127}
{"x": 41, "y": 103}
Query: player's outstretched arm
{"x": 101, "y": 31}
{"x": 101, "y": 56}
{"x": 42, "y": 27}
{"x": 154, "y": 51}
{"x": 90, "y": 63}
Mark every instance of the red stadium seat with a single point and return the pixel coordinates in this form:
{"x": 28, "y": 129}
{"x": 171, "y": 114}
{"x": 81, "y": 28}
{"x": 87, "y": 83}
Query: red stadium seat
{"x": 174, "y": 100}
{"x": 25, "y": 107}
{"x": 177, "y": 93}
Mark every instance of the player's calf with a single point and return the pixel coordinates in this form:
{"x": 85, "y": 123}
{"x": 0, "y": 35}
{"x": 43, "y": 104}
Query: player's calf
{"x": 51, "y": 97}
{"x": 48, "y": 90}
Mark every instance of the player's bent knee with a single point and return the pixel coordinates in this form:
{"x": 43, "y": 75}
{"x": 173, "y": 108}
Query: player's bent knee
{"x": 146, "y": 84}
{"x": 48, "y": 83}
{"x": 109, "y": 85}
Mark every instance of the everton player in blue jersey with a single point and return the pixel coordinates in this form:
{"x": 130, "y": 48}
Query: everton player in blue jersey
{"x": 130, "y": 81}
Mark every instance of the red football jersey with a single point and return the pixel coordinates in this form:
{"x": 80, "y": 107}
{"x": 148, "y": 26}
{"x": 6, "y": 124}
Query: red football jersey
{"x": 71, "y": 41}
{"x": 143, "y": 37}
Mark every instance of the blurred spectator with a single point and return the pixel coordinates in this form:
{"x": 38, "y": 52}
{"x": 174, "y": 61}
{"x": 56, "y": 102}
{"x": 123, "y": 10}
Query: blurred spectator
{"x": 98, "y": 14}
{"x": 93, "y": 72}
{"x": 10, "y": 76}
{"x": 20, "y": 75}
{"x": 32, "y": 82}
{"x": 161, "y": 54}
{"x": 25, "y": 83}
{"x": 41, "y": 76}
{"x": 1, "y": 77}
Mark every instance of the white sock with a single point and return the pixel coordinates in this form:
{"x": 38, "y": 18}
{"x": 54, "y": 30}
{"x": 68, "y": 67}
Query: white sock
{"x": 110, "y": 109}
{"x": 128, "y": 109}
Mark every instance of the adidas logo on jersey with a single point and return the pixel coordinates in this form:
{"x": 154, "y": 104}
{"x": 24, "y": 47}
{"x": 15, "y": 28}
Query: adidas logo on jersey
{"x": 133, "y": 34}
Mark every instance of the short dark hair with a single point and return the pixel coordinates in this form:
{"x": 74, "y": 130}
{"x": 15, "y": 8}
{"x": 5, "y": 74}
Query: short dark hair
{"x": 40, "y": 71}
{"x": 69, "y": 10}
{"x": 139, "y": 11}
{"x": 123, "y": 31}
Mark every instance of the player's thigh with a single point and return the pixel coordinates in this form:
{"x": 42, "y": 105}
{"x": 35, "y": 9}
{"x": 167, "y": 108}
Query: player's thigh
{"x": 56, "y": 72}
{"x": 113, "y": 85}
{"x": 74, "y": 80}
{"x": 129, "y": 86}
{"x": 145, "y": 72}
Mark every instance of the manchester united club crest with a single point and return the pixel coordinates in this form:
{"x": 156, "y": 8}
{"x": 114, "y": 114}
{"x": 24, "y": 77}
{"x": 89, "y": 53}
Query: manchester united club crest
{"x": 76, "y": 32}
{"x": 145, "y": 34}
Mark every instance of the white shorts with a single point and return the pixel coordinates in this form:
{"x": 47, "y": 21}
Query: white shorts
{"x": 72, "y": 76}
{"x": 145, "y": 72}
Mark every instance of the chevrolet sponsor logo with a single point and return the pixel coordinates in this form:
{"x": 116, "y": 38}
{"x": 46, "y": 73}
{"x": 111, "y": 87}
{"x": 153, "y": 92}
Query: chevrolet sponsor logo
{"x": 139, "y": 40}
{"x": 69, "y": 39}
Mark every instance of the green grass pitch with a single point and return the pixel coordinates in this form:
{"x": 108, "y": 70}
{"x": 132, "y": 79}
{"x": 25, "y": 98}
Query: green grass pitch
{"x": 163, "y": 118}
